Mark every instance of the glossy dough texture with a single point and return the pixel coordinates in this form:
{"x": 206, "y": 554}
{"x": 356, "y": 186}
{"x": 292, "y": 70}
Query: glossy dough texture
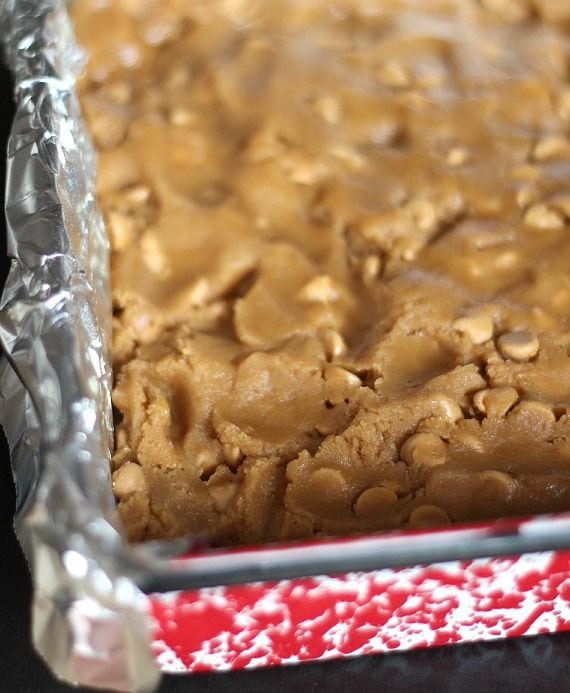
{"x": 341, "y": 252}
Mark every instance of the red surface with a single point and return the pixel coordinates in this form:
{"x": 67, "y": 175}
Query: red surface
{"x": 361, "y": 613}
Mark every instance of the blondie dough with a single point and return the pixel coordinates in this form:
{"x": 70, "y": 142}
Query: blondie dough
{"x": 340, "y": 239}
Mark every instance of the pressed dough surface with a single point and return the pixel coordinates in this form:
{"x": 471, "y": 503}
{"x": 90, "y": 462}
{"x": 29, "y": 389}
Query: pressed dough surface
{"x": 341, "y": 261}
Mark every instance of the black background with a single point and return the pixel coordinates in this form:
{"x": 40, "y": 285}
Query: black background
{"x": 540, "y": 664}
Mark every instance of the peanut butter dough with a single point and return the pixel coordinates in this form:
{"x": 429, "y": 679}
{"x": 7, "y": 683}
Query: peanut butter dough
{"x": 341, "y": 260}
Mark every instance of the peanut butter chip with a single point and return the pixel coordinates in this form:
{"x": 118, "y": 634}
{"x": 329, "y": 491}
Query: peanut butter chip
{"x": 223, "y": 495}
{"x": 375, "y": 501}
{"x": 498, "y": 480}
{"x": 520, "y": 345}
{"x": 348, "y": 156}
{"x": 122, "y": 230}
{"x": 198, "y": 293}
{"x": 457, "y": 156}
{"x": 127, "y": 480}
{"x": 478, "y": 328}
{"x": 181, "y": 117}
{"x": 206, "y": 462}
{"x": 479, "y": 401}
{"x": 334, "y": 344}
{"x": 342, "y": 376}
{"x": 303, "y": 170}
{"x": 526, "y": 196}
{"x": 138, "y": 194}
{"x": 424, "y": 450}
{"x": 293, "y": 469}
{"x": 496, "y": 401}
{"x": 429, "y": 516}
{"x": 538, "y": 410}
{"x": 394, "y": 74}
{"x": 153, "y": 254}
{"x": 328, "y": 107}
{"x": 371, "y": 269}
{"x": 551, "y": 148}
{"x": 233, "y": 455}
{"x": 540, "y": 216}
{"x": 321, "y": 289}
{"x": 423, "y": 214}
{"x": 120, "y": 92}
{"x": 445, "y": 407}
{"x": 328, "y": 489}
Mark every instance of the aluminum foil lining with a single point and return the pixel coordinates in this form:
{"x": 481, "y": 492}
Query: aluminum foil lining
{"x": 90, "y": 619}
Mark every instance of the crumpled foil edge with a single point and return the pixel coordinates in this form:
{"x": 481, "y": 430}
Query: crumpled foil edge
{"x": 90, "y": 620}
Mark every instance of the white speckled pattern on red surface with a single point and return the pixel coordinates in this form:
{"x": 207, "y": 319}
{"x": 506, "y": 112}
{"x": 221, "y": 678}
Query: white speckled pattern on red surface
{"x": 324, "y": 617}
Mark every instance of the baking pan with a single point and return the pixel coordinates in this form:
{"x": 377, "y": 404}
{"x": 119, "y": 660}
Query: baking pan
{"x": 112, "y": 615}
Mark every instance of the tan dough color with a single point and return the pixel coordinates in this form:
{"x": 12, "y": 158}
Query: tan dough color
{"x": 341, "y": 261}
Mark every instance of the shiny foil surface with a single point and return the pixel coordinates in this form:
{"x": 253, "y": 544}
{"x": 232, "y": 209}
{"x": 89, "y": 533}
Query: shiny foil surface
{"x": 90, "y": 621}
